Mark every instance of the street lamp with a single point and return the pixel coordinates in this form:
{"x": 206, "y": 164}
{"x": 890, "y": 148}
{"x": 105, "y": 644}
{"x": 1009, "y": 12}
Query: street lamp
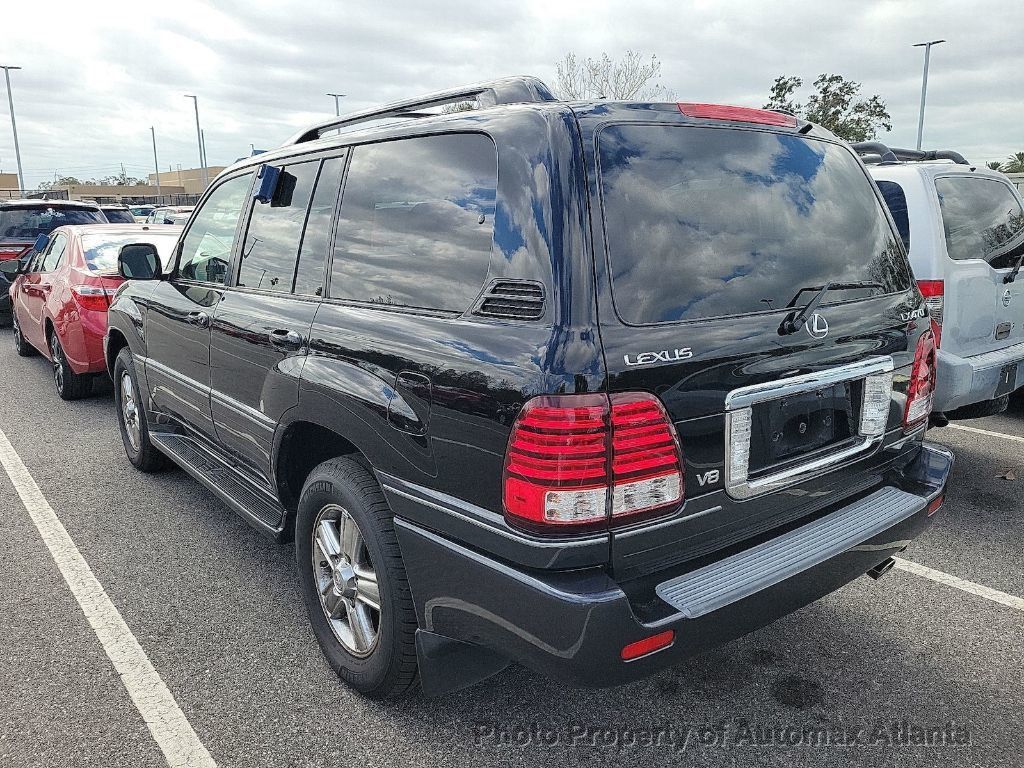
{"x": 337, "y": 106}
{"x": 199, "y": 139}
{"x": 14, "y": 125}
{"x": 156, "y": 163}
{"x": 924, "y": 85}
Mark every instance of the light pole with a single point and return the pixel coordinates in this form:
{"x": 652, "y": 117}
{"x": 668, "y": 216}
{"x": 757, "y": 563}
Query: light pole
{"x": 14, "y": 125}
{"x": 337, "y": 105}
{"x": 924, "y": 85}
{"x": 156, "y": 163}
{"x": 199, "y": 139}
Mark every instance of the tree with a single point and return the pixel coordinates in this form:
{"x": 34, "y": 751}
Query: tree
{"x": 1015, "y": 163}
{"x": 459, "y": 106}
{"x": 834, "y": 105}
{"x": 995, "y": 165}
{"x": 63, "y": 181}
{"x": 632, "y": 77}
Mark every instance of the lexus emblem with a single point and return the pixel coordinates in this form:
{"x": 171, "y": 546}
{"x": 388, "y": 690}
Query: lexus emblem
{"x": 817, "y": 326}
{"x": 1006, "y": 297}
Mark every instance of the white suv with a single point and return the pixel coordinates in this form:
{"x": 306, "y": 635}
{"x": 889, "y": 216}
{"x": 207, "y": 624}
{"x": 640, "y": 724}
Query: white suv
{"x": 964, "y": 229}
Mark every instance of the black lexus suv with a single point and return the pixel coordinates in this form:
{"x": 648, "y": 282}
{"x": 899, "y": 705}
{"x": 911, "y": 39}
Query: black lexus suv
{"x": 588, "y": 386}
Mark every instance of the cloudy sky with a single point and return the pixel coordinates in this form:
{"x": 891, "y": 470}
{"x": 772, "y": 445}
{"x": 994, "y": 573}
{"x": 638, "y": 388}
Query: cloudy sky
{"x": 96, "y": 76}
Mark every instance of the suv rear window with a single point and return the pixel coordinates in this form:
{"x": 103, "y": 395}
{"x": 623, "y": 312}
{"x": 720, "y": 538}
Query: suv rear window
{"x": 27, "y": 222}
{"x": 711, "y": 222}
{"x": 982, "y": 220}
{"x": 119, "y": 216}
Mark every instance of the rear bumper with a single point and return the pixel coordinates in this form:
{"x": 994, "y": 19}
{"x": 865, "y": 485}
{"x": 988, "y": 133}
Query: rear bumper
{"x": 965, "y": 380}
{"x": 573, "y": 625}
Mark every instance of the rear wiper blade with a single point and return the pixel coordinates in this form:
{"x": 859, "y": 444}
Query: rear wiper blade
{"x": 1016, "y": 268}
{"x": 793, "y": 322}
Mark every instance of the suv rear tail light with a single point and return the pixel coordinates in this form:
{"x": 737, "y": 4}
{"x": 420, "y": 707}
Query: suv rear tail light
{"x": 922, "y": 382}
{"x": 93, "y": 297}
{"x": 572, "y": 458}
{"x": 933, "y": 292}
{"x": 738, "y": 114}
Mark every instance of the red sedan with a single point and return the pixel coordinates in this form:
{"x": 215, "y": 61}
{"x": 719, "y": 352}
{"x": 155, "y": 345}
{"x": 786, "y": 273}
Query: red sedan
{"x": 59, "y": 299}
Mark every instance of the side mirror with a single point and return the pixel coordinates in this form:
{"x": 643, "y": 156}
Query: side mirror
{"x": 41, "y": 242}
{"x": 139, "y": 261}
{"x": 266, "y": 183}
{"x": 10, "y": 268}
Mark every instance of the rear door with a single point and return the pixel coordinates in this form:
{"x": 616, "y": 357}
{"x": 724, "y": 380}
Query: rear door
{"x": 715, "y": 239}
{"x": 983, "y": 227}
{"x": 260, "y": 334}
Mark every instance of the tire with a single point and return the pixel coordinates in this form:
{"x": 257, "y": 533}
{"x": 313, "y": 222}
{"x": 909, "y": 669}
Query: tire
{"x": 22, "y": 347}
{"x": 70, "y": 385}
{"x": 137, "y": 445}
{"x": 338, "y": 493}
{"x": 980, "y": 410}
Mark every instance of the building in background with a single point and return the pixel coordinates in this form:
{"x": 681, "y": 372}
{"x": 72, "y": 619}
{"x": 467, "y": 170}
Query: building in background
{"x": 9, "y": 185}
{"x": 190, "y": 179}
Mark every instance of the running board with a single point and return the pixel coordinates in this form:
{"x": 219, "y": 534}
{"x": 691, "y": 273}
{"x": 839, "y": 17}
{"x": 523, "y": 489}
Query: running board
{"x": 256, "y": 506}
{"x": 720, "y": 584}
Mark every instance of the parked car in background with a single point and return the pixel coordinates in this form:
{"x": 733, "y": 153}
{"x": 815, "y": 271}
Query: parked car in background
{"x": 175, "y": 214}
{"x": 587, "y": 387}
{"x": 61, "y": 295}
{"x": 118, "y": 214}
{"x": 963, "y": 226}
{"x": 22, "y": 221}
{"x": 141, "y": 212}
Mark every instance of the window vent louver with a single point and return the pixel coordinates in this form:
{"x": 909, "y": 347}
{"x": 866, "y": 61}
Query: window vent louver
{"x": 512, "y": 300}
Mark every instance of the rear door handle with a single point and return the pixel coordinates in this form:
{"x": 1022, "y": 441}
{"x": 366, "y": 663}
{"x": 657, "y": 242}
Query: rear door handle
{"x": 283, "y": 338}
{"x": 198, "y": 318}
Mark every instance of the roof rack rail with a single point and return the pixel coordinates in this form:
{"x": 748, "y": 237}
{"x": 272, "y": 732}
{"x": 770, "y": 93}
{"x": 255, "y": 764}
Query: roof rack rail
{"x": 894, "y": 155}
{"x": 508, "y": 90}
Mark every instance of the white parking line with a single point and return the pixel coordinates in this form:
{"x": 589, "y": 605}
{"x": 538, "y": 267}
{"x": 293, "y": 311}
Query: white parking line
{"x": 165, "y": 720}
{"x": 1003, "y": 598}
{"x": 987, "y": 432}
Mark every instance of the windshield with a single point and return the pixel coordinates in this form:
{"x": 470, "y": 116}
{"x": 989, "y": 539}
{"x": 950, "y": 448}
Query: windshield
{"x": 29, "y": 222}
{"x": 101, "y": 250}
{"x": 711, "y": 222}
{"x": 141, "y": 210}
{"x": 119, "y": 216}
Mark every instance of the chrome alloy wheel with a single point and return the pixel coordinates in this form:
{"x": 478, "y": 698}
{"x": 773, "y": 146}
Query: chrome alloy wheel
{"x": 346, "y": 581}
{"x": 130, "y": 411}
{"x": 57, "y": 357}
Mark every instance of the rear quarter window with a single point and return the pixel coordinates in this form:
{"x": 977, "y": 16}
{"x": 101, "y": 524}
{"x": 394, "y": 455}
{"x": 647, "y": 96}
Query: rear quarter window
{"x": 712, "y": 222}
{"x": 896, "y": 202}
{"x": 981, "y": 219}
{"x": 416, "y": 222}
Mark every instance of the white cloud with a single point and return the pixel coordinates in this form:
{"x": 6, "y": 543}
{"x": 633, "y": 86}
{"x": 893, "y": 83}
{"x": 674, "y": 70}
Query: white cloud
{"x": 96, "y": 76}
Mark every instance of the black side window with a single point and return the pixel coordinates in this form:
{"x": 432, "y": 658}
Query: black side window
{"x": 53, "y": 255}
{"x": 316, "y": 240}
{"x": 416, "y": 222}
{"x": 271, "y": 245}
{"x": 896, "y": 202}
{"x": 982, "y": 219}
{"x": 206, "y": 249}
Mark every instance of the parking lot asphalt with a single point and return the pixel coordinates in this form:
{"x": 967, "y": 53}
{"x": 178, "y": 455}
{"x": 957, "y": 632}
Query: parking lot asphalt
{"x": 217, "y": 609}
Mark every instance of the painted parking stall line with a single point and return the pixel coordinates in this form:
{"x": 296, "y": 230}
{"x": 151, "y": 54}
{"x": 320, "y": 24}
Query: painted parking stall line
{"x": 166, "y": 722}
{"x": 986, "y": 432}
{"x": 1003, "y": 598}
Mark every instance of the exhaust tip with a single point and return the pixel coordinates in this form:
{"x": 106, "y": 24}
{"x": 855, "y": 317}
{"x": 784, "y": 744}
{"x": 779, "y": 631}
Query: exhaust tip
{"x": 882, "y": 568}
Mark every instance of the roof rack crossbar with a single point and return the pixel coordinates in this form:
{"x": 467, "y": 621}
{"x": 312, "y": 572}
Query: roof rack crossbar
{"x": 509, "y": 90}
{"x": 895, "y": 155}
